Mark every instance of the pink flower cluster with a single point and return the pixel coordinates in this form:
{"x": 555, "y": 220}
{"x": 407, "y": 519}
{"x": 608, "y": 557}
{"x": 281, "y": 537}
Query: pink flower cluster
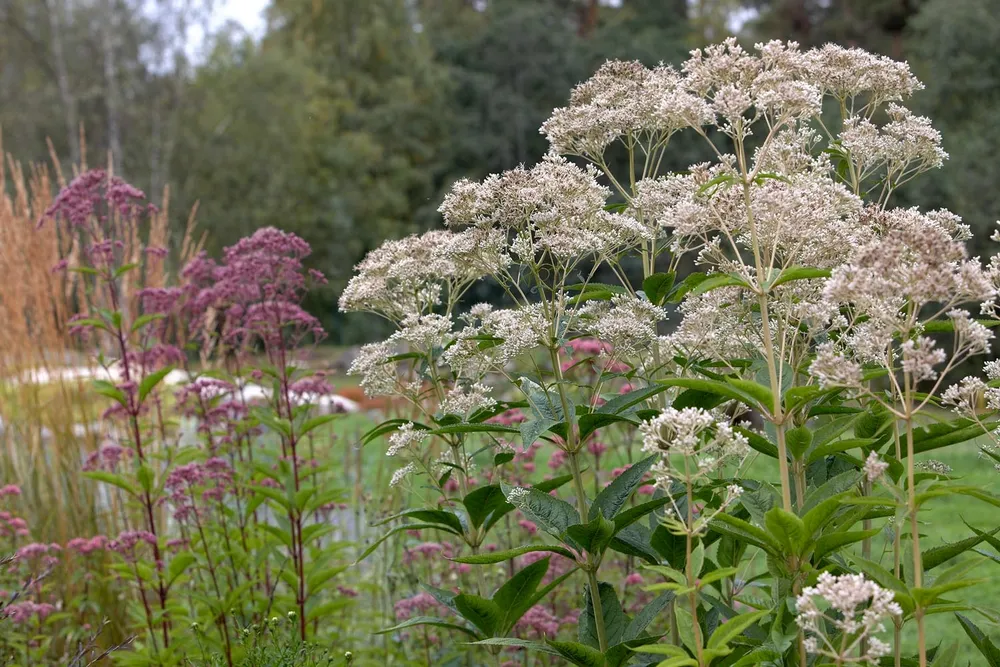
{"x": 85, "y": 546}
{"x": 12, "y": 525}
{"x": 418, "y": 605}
{"x": 258, "y": 288}
{"x": 126, "y": 542}
{"x": 23, "y": 612}
{"x": 215, "y": 475}
{"x": 107, "y": 458}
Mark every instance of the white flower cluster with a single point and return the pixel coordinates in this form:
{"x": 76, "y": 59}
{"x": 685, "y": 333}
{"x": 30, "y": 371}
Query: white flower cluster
{"x": 494, "y": 338}
{"x": 905, "y": 146}
{"x": 694, "y": 435}
{"x": 554, "y": 207}
{"x": 464, "y": 400}
{"x": 624, "y": 98}
{"x": 860, "y": 609}
{"x": 874, "y": 467}
{"x": 406, "y": 438}
{"x": 626, "y": 322}
{"x": 405, "y": 276}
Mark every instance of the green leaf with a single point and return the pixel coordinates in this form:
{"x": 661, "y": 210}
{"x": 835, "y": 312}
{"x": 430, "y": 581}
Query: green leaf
{"x": 733, "y": 628}
{"x": 615, "y": 620}
{"x": 501, "y": 556}
{"x": 481, "y": 503}
{"x": 620, "y": 654}
{"x": 931, "y": 558}
{"x": 443, "y": 517}
{"x": 928, "y": 595}
{"x": 787, "y": 528}
{"x": 817, "y": 517}
{"x": 578, "y": 654}
{"x": 717, "y": 280}
{"x": 109, "y": 390}
{"x": 723, "y": 389}
{"x": 592, "y": 421}
{"x": 623, "y": 402}
{"x": 517, "y": 592}
{"x": 827, "y": 544}
{"x": 145, "y": 476}
{"x": 390, "y": 426}
{"x": 946, "y": 657}
{"x": 552, "y": 514}
{"x": 474, "y": 428}
{"x": 178, "y": 565}
{"x": 113, "y": 479}
{"x": 758, "y": 442}
{"x": 552, "y": 484}
{"x": 726, "y": 524}
{"x": 143, "y": 320}
{"x": 398, "y": 529}
{"x": 634, "y": 540}
{"x": 531, "y": 429}
{"x": 798, "y": 273}
{"x": 646, "y": 616}
{"x": 526, "y": 644}
{"x": 594, "y": 535}
{"x": 759, "y": 392}
{"x": 798, "y": 441}
{"x": 614, "y": 496}
{"x": 682, "y": 289}
{"x": 944, "y": 434}
{"x": 482, "y": 613}
{"x": 981, "y": 641}
{"x": 316, "y": 422}
{"x": 427, "y": 620}
{"x": 149, "y": 382}
{"x": 837, "y": 446}
{"x": 657, "y": 286}
{"x": 633, "y": 514}
{"x": 501, "y": 458}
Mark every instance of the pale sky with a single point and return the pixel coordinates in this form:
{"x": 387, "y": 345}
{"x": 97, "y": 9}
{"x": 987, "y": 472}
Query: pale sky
{"x": 248, "y": 12}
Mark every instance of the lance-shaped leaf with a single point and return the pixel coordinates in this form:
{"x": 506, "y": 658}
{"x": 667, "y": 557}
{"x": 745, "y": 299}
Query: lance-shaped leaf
{"x": 935, "y": 556}
{"x": 831, "y": 542}
{"x": 727, "y": 524}
{"x": 658, "y": 286}
{"x": 944, "y": 434}
{"x": 514, "y": 598}
{"x": 481, "y": 503}
{"x": 578, "y": 654}
{"x": 398, "y": 529}
{"x": 733, "y": 628}
{"x": 623, "y": 402}
{"x": 552, "y": 514}
{"x": 616, "y": 494}
{"x": 390, "y": 426}
{"x": 482, "y": 613}
{"x": 509, "y": 554}
{"x": 441, "y": 517}
{"x": 592, "y": 536}
{"x": 646, "y": 615}
{"x": 787, "y": 528}
{"x": 981, "y": 641}
{"x": 428, "y": 620}
{"x": 615, "y": 620}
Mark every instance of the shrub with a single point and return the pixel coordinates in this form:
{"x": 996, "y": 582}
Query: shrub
{"x": 818, "y": 307}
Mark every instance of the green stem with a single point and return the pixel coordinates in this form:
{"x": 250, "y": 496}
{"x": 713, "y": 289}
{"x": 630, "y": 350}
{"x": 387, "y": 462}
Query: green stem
{"x": 691, "y": 575}
{"x": 918, "y": 569}
{"x": 573, "y": 450}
